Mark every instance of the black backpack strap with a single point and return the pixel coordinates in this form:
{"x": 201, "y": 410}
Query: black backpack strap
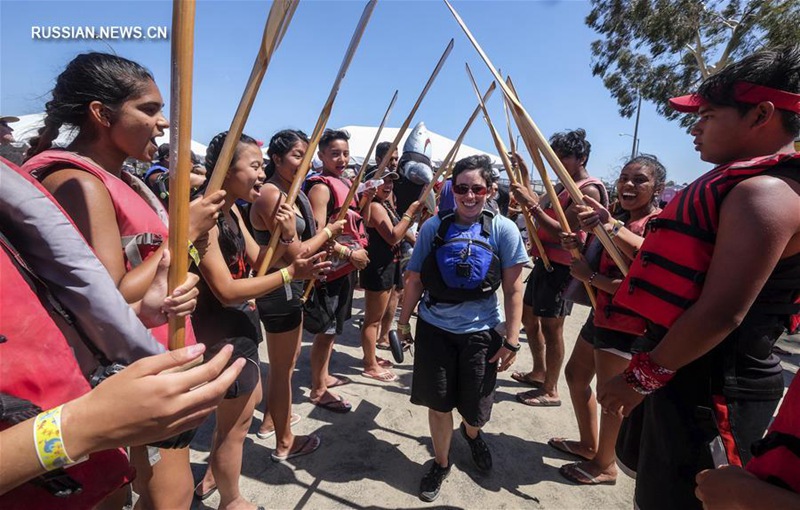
{"x": 447, "y": 218}
{"x": 486, "y": 222}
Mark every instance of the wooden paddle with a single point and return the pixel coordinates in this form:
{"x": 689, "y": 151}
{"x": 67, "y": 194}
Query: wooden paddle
{"x": 302, "y": 170}
{"x": 501, "y": 149}
{"x": 535, "y": 141}
{"x": 180, "y": 161}
{"x": 280, "y": 14}
{"x": 357, "y": 180}
{"x": 393, "y": 147}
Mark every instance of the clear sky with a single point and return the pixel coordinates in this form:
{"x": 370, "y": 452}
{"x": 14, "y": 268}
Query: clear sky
{"x": 544, "y": 45}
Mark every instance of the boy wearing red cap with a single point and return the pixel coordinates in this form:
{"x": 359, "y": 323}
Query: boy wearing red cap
{"x": 718, "y": 280}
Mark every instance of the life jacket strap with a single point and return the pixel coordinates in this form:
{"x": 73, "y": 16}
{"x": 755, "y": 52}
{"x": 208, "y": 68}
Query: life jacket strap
{"x": 686, "y": 272}
{"x": 683, "y": 228}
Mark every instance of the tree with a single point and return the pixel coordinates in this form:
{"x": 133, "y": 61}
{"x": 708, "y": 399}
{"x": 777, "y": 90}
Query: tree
{"x": 665, "y": 48}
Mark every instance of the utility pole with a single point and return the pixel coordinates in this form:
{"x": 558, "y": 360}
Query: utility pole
{"x": 635, "y": 147}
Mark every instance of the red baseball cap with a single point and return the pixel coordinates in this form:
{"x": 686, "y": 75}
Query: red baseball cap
{"x": 744, "y": 92}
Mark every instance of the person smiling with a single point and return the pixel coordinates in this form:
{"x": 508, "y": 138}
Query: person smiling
{"x": 226, "y": 315}
{"x": 460, "y": 260}
{"x": 606, "y": 340}
{"x": 281, "y": 311}
{"x": 327, "y": 193}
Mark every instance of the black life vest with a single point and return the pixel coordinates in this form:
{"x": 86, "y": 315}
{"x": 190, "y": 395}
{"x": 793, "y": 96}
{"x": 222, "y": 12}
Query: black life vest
{"x": 462, "y": 265}
{"x": 776, "y": 457}
{"x": 667, "y": 276}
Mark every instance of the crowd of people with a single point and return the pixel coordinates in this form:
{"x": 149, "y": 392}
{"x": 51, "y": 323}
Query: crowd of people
{"x": 680, "y": 342}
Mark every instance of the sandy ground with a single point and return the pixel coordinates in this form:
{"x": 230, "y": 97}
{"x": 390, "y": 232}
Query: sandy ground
{"x": 375, "y": 456}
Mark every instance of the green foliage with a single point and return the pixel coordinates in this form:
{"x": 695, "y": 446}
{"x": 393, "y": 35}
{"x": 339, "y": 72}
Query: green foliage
{"x": 664, "y": 48}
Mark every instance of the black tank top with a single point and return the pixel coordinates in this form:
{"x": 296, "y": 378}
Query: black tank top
{"x": 380, "y": 252}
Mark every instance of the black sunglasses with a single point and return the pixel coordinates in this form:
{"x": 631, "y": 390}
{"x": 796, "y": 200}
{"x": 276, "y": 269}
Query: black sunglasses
{"x": 477, "y": 189}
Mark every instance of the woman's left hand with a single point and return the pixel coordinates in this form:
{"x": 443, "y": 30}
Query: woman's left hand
{"x": 506, "y": 358}
{"x": 156, "y": 306}
{"x": 285, "y": 218}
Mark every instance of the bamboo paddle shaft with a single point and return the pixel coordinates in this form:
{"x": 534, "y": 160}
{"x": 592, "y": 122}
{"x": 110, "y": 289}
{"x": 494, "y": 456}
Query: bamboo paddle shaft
{"x": 357, "y": 180}
{"x": 534, "y": 138}
{"x": 305, "y": 164}
{"x": 451, "y": 154}
{"x": 501, "y": 149}
{"x": 393, "y": 147}
{"x": 180, "y": 159}
{"x": 280, "y": 15}
{"x": 512, "y": 144}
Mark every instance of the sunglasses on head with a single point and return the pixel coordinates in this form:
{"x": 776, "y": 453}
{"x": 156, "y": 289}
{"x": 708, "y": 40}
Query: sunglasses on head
{"x": 477, "y": 189}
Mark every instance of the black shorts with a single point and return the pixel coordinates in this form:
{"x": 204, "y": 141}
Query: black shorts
{"x": 380, "y": 278}
{"x": 243, "y": 347}
{"x": 588, "y": 330}
{"x": 610, "y": 339}
{"x": 677, "y": 424}
{"x": 543, "y": 290}
{"x": 339, "y": 299}
{"x": 279, "y": 314}
{"x": 451, "y": 371}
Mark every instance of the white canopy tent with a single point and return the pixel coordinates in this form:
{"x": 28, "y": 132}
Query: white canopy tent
{"x": 28, "y": 127}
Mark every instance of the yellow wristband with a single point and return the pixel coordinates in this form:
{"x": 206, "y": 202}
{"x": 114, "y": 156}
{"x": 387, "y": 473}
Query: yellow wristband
{"x": 407, "y": 218}
{"x": 48, "y": 440}
{"x": 194, "y": 254}
{"x": 328, "y": 232}
{"x": 286, "y": 276}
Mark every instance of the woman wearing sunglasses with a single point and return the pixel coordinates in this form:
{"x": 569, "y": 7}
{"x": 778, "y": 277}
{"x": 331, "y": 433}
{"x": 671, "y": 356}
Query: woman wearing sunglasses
{"x": 460, "y": 260}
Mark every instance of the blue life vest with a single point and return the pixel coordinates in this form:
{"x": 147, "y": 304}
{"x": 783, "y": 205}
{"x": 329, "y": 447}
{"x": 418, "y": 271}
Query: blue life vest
{"x": 462, "y": 265}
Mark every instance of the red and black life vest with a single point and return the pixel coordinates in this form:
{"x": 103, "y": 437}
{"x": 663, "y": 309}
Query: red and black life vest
{"x": 353, "y": 236}
{"x": 667, "y": 276}
{"x": 551, "y": 244}
{"x": 608, "y": 315}
{"x": 38, "y": 366}
{"x": 141, "y": 219}
{"x": 776, "y": 457}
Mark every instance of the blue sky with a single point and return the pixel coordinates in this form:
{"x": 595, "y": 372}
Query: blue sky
{"x": 544, "y": 45}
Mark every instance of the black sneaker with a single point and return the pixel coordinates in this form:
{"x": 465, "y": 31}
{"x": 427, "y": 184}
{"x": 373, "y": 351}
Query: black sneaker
{"x": 432, "y": 482}
{"x": 480, "y": 450}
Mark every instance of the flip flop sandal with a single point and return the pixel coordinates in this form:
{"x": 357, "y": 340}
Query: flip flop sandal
{"x": 562, "y": 445}
{"x": 521, "y": 377}
{"x": 341, "y": 380}
{"x": 310, "y": 445}
{"x": 266, "y": 435}
{"x": 339, "y": 405}
{"x": 207, "y": 494}
{"x": 569, "y": 471}
{"x": 382, "y": 377}
{"x": 537, "y": 401}
{"x": 384, "y": 363}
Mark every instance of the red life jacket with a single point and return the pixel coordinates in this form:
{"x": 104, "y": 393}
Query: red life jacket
{"x": 607, "y": 315}
{"x": 353, "y": 236}
{"x": 38, "y": 365}
{"x": 551, "y": 244}
{"x": 141, "y": 222}
{"x": 776, "y": 457}
{"x": 667, "y": 276}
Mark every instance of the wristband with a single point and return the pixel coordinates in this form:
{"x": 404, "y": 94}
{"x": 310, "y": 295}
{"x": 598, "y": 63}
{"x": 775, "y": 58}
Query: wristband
{"x": 287, "y": 282}
{"x": 511, "y": 347}
{"x": 194, "y": 254}
{"x": 617, "y": 226}
{"x": 591, "y": 278}
{"x": 328, "y": 233}
{"x": 645, "y": 375}
{"x": 404, "y": 329}
{"x": 408, "y": 218}
{"x": 341, "y": 251}
{"x": 285, "y": 242}
{"x": 49, "y": 441}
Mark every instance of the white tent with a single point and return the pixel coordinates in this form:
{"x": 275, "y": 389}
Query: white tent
{"x": 28, "y": 127}
{"x": 361, "y": 137}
